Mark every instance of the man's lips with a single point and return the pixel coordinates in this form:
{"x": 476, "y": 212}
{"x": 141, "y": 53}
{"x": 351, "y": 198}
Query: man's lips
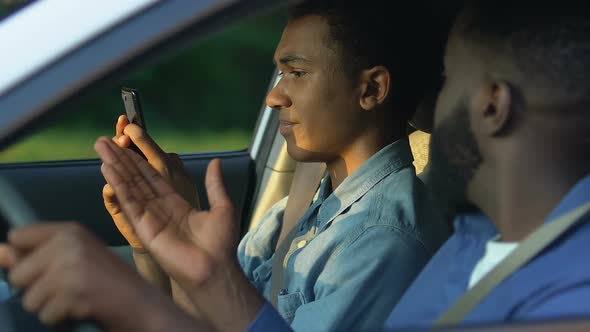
{"x": 286, "y": 127}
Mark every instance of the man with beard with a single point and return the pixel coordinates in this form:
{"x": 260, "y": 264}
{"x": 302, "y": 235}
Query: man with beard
{"x": 512, "y": 138}
{"x": 342, "y": 100}
{"x": 511, "y": 131}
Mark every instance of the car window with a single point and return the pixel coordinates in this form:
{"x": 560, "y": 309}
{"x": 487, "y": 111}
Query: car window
{"x": 204, "y": 98}
{"x": 8, "y": 7}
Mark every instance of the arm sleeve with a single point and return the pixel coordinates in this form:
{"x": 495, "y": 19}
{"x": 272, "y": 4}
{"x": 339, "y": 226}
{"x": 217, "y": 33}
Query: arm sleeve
{"x": 269, "y": 319}
{"x": 358, "y": 288}
{"x": 258, "y": 245}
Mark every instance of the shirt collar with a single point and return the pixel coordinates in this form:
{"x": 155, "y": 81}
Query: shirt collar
{"x": 578, "y": 195}
{"x": 475, "y": 225}
{"x": 391, "y": 158}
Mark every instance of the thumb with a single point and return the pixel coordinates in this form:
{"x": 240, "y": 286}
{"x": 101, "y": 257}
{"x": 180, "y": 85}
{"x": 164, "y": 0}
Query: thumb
{"x": 122, "y": 122}
{"x": 218, "y": 197}
{"x": 145, "y": 143}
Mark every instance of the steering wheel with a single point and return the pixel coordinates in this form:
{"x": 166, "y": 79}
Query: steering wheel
{"x": 16, "y": 212}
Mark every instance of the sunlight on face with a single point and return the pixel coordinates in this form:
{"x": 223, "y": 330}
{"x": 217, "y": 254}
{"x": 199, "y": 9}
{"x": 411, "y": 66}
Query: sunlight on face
{"x": 318, "y": 106}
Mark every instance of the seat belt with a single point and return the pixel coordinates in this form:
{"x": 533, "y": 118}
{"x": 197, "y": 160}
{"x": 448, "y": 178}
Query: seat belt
{"x": 306, "y": 180}
{"x": 525, "y": 252}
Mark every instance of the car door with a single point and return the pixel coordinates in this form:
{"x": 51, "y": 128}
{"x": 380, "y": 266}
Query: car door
{"x": 44, "y": 96}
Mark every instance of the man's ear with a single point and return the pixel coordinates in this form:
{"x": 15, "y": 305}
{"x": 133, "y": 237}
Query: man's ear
{"x": 375, "y": 84}
{"x": 495, "y": 108}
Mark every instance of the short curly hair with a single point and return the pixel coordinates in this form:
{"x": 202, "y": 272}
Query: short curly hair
{"x": 408, "y": 40}
{"x": 547, "y": 42}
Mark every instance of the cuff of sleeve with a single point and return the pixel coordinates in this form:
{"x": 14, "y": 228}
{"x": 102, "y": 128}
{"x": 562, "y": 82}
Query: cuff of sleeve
{"x": 269, "y": 319}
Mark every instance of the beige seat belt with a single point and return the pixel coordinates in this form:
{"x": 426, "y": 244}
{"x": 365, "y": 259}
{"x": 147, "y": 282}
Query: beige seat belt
{"x": 306, "y": 180}
{"x": 526, "y": 251}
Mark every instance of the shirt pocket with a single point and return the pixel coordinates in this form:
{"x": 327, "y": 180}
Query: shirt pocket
{"x": 288, "y": 305}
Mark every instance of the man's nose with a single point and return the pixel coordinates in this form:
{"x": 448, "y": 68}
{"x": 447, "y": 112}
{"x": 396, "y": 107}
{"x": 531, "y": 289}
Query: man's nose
{"x": 277, "y": 98}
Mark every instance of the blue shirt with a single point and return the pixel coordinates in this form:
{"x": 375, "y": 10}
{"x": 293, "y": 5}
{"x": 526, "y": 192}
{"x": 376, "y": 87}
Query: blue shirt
{"x": 358, "y": 248}
{"x": 556, "y": 284}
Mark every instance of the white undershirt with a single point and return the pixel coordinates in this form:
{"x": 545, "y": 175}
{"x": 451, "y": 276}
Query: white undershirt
{"x": 495, "y": 252}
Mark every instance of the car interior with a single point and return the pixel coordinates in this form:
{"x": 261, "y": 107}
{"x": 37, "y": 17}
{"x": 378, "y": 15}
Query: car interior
{"x": 256, "y": 177}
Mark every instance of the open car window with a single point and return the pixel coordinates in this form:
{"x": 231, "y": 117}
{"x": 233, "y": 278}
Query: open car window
{"x": 205, "y": 97}
{"x": 8, "y": 7}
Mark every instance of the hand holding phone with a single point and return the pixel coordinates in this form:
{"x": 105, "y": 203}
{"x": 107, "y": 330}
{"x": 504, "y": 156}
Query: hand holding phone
{"x": 134, "y": 112}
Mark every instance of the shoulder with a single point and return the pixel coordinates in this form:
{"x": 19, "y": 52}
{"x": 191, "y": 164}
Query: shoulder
{"x": 379, "y": 242}
{"x": 260, "y": 240}
{"x": 559, "y": 276}
{"x": 399, "y": 194}
{"x": 274, "y": 215}
{"x": 402, "y": 203}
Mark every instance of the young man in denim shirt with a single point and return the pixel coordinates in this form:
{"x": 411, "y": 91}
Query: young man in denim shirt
{"x": 371, "y": 228}
{"x": 345, "y": 100}
{"x": 512, "y": 130}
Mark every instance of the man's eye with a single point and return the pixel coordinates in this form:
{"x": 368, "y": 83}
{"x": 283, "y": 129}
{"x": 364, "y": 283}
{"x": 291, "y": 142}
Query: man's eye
{"x": 297, "y": 73}
{"x": 293, "y": 73}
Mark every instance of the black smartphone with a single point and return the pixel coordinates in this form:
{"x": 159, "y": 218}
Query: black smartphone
{"x": 134, "y": 112}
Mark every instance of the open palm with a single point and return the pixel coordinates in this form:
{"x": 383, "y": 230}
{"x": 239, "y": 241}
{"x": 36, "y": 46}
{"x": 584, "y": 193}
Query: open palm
{"x": 187, "y": 243}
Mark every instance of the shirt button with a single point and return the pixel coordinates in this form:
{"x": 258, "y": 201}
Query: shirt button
{"x": 301, "y": 244}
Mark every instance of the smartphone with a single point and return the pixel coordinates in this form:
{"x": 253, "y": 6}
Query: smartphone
{"x": 134, "y": 112}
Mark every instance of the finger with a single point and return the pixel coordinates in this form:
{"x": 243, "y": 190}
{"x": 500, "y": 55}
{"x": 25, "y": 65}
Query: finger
{"x": 215, "y": 186}
{"x": 29, "y": 237}
{"x": 108, "y": 194}
{"x": 175, "y": 159}
{"x": 8, "y": 256}
{"x": 56, "y": 309}
{"x": 30, "y": 267}
{"x": 120, "y": 166}
{"x": 39, "y": 292}
{"x": 148, "y": 174}
{"x": 57, "y": 304}
{"x": 131, "y": 206}
{"x": 121, "y": 160}
{"x": 145, "y": 143}
{"x": 192, "y": 196}
{"x": 122, "y": 121}
{"x": 128, "y": 163}
{"x": 144, "y": 223}
{"x": 110, "y": 200}
{"x": 161, "y": 188}
{"x": 123, "y": 141}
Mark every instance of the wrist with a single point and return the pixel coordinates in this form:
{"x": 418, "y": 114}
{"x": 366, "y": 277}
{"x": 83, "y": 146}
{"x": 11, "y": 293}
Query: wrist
{"x": 141, "y": 251}
{"x": 228, "y": 299}
{"x": 159, "y": 314}
{"x": 150, "y": 270}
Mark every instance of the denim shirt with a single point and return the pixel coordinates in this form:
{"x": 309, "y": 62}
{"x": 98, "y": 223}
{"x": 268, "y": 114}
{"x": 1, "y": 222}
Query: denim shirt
{"x": 357, "y": 250}
{"x": 555, "y": 284}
